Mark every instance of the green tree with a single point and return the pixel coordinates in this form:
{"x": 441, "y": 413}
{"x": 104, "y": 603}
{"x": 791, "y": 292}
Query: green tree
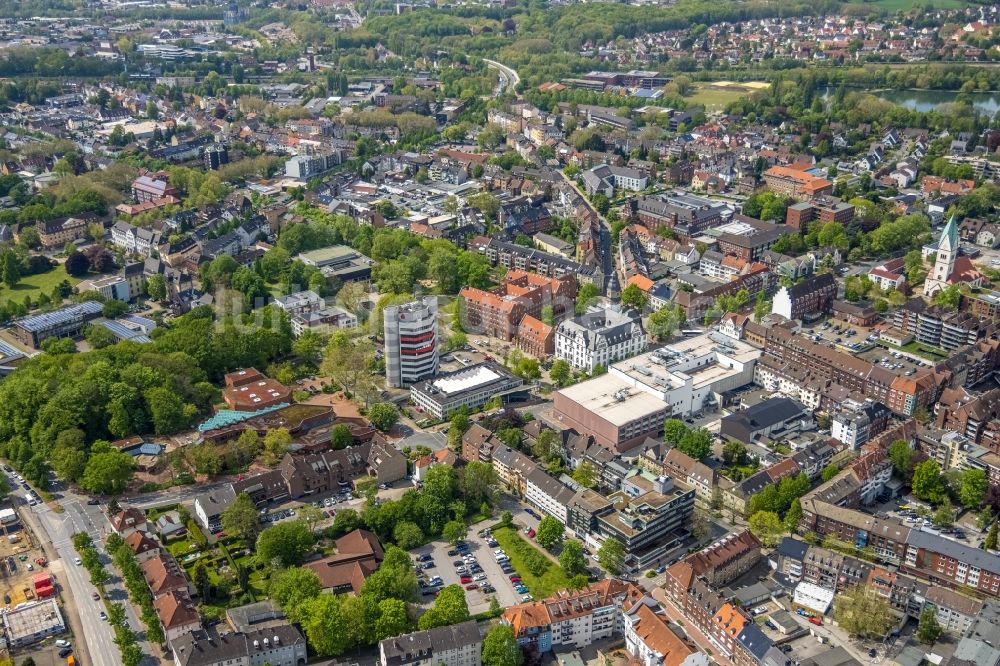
{"x": 560, "y": 372}
{"x": 450, "y": 607}
{"x": 991, "y": 538}
{"x": 611, "y": 556}
{"x": 944, "y": 515}
{"x": 550, "y": 532}
{"x": 478, "y": 483}
{"x": 634, "y": 297}
{"x": 901, "y": 455}
{"x": 202, "y": 581}
{"x": 291, "y": 587}
{"x": 454, "y": 531}
{"x": 927, "y": 482}
{"x": 830, "y": 471}
{"x": 766, "y": 526}
{"x": 696, "y": 443}
{"x": 277, "y": 441}
{"x": 395, "y": 578}
{"x": 393, "y": 619}
{"x": 572, "y": 559}
{"x": 674, "y": 430}
{"x": 586, "y": 296}
{"x": 500, "y": 647}
{"x": 114, "y": 308}
{"x": 928, "y": 629}
{"x": 341, "y": 437}
{"x": 383, "y": 415}
{"x": 107, "y": 472}
{"x": 585, "y": 474}
{"x": 156, "y": 287}
{"x": 408, "y": 535}
{"x": 10, "y": 271}
{"x": 974, "y": 487}
{"x": 734, "y": 453}
{"x": 240, "y": 519}
{"x": 287, "y": 542}
{"x": 794, "y": 516}
{"x": 861, "y": 612}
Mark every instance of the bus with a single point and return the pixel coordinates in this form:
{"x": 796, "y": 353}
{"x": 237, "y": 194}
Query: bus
{"x": 690, "y": 332}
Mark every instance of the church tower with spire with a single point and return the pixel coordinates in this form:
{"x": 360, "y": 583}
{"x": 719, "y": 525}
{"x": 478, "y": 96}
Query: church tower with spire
{"x": 944, "y": 262}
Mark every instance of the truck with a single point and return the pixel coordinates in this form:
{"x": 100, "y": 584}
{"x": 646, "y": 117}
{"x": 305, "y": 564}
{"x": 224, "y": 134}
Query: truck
{"x": 70, "y": 661}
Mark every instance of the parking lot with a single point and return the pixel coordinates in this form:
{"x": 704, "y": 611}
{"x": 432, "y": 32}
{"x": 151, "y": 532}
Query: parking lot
{"x": 865, "y": 344}
{"x": 444, "y": 566}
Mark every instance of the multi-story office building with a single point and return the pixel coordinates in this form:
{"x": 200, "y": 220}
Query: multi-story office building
{"x": 600, "y": 337}
{"x": 687, "y": 214}
{"x": 617, "y": 415}
{"x": 824, "y": 209}
{"x": 647, "y": 516}
{"x": 411, "y": 341}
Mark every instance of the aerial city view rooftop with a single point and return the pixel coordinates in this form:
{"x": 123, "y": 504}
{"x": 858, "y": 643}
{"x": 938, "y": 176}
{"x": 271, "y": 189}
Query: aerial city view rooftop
{"x": 500, "y": 333}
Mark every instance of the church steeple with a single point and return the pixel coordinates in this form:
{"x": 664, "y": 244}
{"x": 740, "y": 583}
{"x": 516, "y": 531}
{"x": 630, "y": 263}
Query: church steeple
{"x": 949, "y": 237}
{"x": 944, "y": 262}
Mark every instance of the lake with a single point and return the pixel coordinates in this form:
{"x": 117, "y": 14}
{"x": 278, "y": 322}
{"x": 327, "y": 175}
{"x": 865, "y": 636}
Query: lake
{"x": 926, "y": 100}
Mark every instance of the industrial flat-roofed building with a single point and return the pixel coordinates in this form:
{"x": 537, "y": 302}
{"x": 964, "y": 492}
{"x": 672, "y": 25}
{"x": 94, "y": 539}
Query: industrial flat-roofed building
{"x": 692, "y": 374}
{"x": 66, "y": 321}
{"x": 470, "y": 387}
{"x": 339, "y": 261}
{"x": 775, "y": 415}
{"x": 619, "y": 416}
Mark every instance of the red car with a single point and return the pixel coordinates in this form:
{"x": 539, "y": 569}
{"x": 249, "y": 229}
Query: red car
{"x": 466, "y": 579}
{"x": 531, "y": 534}
{"x": 471, "y": 587}
{"x": 815, "y": 620}
{"x": 95, "y": 596}
{"x": 515, "y": 579}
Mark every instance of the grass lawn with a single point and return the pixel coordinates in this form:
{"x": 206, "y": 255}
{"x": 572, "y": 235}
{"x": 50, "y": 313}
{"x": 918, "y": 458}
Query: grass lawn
{"x": 35, "y": 285}
{"x": 550, "y": 580}
{"x": 716, "y": 97}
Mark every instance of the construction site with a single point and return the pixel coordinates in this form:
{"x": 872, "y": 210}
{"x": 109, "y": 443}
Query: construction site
{"x": 24, "y": 572}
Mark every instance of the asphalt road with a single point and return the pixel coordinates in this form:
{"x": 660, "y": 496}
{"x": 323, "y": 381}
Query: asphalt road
{"x": 508, "y": 77}
{"x": 172, "y": 496}
{"x": 60, "y": 528}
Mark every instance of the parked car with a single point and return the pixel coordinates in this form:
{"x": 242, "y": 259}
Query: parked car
{"x": 104, "y": 616}
{"x": 65, "y": 651}
{"x": 466, "y": 579}
{"x": 815, "y": 620}
{"x": 473, "y": 586}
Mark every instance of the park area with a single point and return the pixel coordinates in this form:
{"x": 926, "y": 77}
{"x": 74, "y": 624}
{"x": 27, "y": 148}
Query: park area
{"x": 541, "y": 575}
{"x": 36, "y": 285}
